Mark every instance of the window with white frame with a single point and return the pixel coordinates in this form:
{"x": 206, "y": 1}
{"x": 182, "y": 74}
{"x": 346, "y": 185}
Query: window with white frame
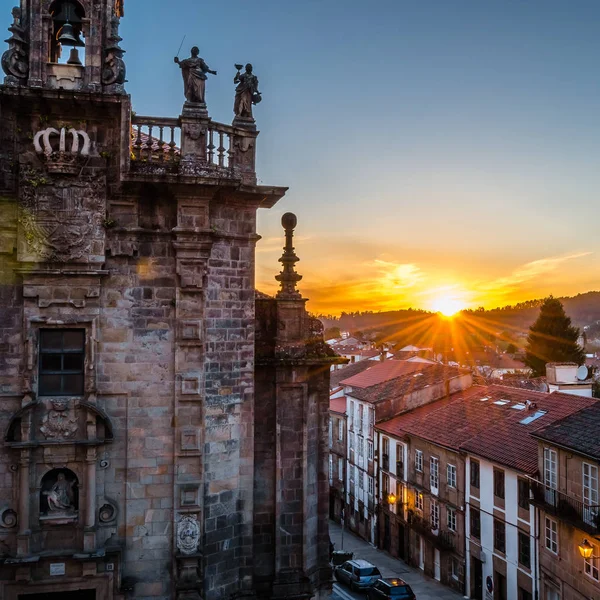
{"x": 330, "y": 432}
{"x": 419, "y": 461}
{"x": 591, "y": 565}
{"x": 351, "y": 414}
{"x": 434, "y": 514}
{"x": 340, "y": 430}
{"x": 418, "y": 500}
{"x": 351, "y": 441}
{"x": 351, "y": 472}
{"x": 455, "y": 569}
{"x": 434, "y": 473}
{"x": 386, "y": 446}
{"x": 356, "y": 423}
{"x": 355, "y": 473}
{"x": 371, "y": 421}
{"x": 370, "y": 450}
{"x": 341, "y": 469}
{"x": 590, "y": 493}
{"x": 360, "y": 417}
{"x": 451, "y": 475}
{"x": 451, "y": 521}
{"x": 550, "y": 471}
{"x": 330, "y": 469}
{"x": 371, "y": 486}
{"x": 361, "y": 448}
{"x": 361, "y": 481}
{"x": 551, "y": 535}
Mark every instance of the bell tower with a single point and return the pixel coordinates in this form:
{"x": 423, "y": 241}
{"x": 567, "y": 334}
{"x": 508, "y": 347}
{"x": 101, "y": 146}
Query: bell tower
{"x": 66, "y": 44}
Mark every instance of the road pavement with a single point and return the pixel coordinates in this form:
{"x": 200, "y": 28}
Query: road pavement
{"x": 424, "y": 587}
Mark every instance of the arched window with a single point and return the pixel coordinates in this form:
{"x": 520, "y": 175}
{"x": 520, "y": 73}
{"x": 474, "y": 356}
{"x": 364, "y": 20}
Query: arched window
{"x": 67, "y": 17}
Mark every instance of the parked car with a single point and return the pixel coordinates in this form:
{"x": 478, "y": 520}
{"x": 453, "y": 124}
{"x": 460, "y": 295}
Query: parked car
{"x": 358, "y": 574}
{"x": 391, "y": 587}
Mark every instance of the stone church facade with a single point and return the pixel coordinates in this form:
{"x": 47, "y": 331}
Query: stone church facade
{"x": 165, "y": 430}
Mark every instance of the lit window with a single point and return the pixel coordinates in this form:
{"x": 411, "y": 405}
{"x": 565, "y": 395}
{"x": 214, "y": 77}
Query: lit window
{"x": 418, "y": 500}
{"x": 551, "y": 536}
{"x": 418, "y": 461}
{"x": 451, "y": 475}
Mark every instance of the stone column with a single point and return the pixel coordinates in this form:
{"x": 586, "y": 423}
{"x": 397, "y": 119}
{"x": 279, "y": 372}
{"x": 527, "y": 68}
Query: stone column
{"x": 89, "y": 538}
{"x": 24, "y": 531}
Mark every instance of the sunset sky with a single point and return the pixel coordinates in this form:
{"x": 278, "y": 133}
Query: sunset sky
{"x": 434, "y": 149}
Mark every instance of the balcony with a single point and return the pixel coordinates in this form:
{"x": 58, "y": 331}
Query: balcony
{"x": 567, "y": 508}
{"x": 198, "y": 147}
{"x": 441, "y": 539}
{"x": 400, "y": 469}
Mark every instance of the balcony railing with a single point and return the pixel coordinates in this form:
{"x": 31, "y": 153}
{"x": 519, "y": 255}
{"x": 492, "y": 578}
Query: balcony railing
{"x": 567, "y": 508}
{"x": 162, "y": 146}
{"x": 440, "y": 538}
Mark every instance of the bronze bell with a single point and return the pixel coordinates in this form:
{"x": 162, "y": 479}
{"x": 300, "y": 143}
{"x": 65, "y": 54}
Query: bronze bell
{"x": 74, "y": 57}
{"x": 67, "y": 37}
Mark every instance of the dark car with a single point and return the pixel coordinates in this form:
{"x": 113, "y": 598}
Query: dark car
{"x": 391, "y": 587}
{"x": 358, "y": 574}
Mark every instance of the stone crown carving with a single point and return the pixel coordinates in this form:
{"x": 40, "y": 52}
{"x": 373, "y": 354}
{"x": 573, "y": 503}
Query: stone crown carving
{"x": 48, "y": 150}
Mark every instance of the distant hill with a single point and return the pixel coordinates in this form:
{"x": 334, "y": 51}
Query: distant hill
{"x": 477, "y": 327}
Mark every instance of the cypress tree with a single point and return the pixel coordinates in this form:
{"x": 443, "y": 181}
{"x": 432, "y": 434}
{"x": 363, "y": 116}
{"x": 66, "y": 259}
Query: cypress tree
{"x": 552, "y": 338}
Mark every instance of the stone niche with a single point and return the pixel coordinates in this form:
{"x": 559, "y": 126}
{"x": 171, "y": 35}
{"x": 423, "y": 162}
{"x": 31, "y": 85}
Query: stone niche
{"x": 59, "y": 497}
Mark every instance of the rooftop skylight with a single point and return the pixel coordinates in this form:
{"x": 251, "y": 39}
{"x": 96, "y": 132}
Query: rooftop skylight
{"x": 519, "y": 406}
{"x": 531, "y": 418}
{"x": 502, "y": 402}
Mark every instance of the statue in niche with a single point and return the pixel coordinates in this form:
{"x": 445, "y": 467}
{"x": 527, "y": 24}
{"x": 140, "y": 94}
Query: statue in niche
{"x": 60, "y": 496}
{"x": 246, "y": 92}
{"x": 193, "y": 71}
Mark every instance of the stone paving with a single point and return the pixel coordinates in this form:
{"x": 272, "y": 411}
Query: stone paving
{"x": 424, "y": 587}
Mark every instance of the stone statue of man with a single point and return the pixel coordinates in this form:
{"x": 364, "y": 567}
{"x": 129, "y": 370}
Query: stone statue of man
{"x": 246, "y": 93}
{"x": 193, "y": 71}
{"x": 60, "y": 496}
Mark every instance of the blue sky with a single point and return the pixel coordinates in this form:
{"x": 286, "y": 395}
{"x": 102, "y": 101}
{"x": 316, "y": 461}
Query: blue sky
{"x": 458, "y": 137}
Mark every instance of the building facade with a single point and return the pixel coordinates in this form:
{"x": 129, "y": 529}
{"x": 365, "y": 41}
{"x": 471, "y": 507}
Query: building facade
{"x": 150, "y": 448}
{"x": 338, "y": 431}
{"x": 566, "y": 496}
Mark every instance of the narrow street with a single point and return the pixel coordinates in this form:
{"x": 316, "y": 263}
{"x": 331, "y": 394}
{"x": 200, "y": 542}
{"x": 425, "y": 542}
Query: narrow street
{"x": 423, "y": 587}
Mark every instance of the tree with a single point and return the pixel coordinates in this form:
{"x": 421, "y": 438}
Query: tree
{"x": 511, "y": 349}
{"x": 552, "y": 338}
{"x": 332, "y": 333}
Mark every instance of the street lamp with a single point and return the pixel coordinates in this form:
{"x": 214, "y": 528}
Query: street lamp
{"x": 391, "y": 499}
{"x": 587, "y": 550}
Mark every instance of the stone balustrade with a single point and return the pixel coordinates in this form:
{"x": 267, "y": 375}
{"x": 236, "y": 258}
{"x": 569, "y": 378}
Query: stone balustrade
{"x": 192, "y": 146}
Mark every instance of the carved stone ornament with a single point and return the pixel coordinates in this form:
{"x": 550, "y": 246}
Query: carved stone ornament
{"x": 107, "y": 513}
{"x": 62, "y": 160}
{"x": 188, "y": 534}
{"x": 59, "y": 423}
{"x": 8, "y": 518}
{"x": 15, "y": 61}
{"x": 113, "y": 71}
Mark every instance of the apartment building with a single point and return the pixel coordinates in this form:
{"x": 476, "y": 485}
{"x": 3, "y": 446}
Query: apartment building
{"x": 457, "y": 505}
{"x": 566, "y": 495}
{"x": 337, "y": 455}
{"x": 382, "y": 391}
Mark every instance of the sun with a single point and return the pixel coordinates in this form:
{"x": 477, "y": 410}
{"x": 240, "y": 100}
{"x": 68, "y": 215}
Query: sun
{"x": 446, "y": 305}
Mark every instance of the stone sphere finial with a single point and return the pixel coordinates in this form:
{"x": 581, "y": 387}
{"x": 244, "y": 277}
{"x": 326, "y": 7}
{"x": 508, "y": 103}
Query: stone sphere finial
{"x": 289, "y": 221}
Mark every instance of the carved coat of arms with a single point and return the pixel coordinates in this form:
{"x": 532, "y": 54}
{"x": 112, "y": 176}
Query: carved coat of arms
{"x": 59, "y": 422}
{"x": 188, "y": 534}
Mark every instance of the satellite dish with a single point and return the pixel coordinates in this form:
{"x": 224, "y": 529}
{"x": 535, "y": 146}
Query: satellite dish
{"x": 544, "y": 387}
{"x": 582, "y": 373}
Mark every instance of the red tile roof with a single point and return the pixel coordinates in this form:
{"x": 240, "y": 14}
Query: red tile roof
{"x": 416, "y": 379}
{"x": 463, "y": 422}
{"x": 384, "y": 371}
{"x": 352, "y": 369}
{"x": 338, "y": 405}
